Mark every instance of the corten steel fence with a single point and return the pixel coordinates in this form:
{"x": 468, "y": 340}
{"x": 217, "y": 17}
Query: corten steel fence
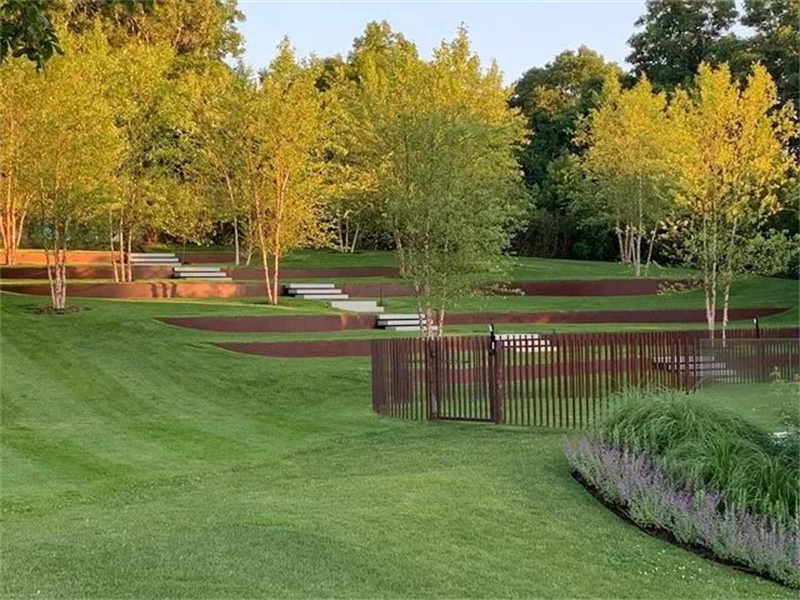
{"x": 745, "y": 361}
{"x": 557, "y": 380}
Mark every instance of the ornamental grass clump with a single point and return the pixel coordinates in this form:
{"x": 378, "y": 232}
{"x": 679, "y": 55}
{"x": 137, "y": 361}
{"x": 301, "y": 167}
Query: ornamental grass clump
{"x": 710, "y": 479}
{"x": 695, "y": 441}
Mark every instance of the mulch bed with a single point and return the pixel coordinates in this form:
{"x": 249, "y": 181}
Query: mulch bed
{"x": 665, "y": 534}
{"x": 49, "y": 310}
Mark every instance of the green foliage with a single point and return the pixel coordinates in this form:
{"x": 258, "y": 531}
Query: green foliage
{"x": 776, "y": 41}
{"x": 697, "y": 441}
{"x": 195, "y": 29}
{"x": 26, "y": 30}
{"x": 678, "y": 35}
{"x": 452, "y": 197}
{"x": 554, "y": 99}
{"x": 633, "y": 150}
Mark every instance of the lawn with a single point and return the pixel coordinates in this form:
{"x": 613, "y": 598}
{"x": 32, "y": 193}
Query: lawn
{"x": 139, "y": 461}
{"x": 521, "y": 268}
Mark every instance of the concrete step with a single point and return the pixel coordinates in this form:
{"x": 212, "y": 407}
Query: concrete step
{"x": 145, "y": 258}
{"x": 358, "y": 306}
{"x": 309, "y": 286}
{"x": 214, "y": 276}
{"x": 153, "y": 255}
{"x": 517, "y": 336}
{"x": 330, "y": 296}
{"x": 183, "y": 269}
{"x": 155, "y": 261}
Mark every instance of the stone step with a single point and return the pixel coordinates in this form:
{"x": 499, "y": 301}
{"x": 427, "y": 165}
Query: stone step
{"x": 328, "y": 296}
{"x": 313, "y": 293}
{"x": 309, "y": 286}
{"x": 183, "y": 269}
{"x": 398, "y": 322}
{"x": 359, "y": 306}
{"x": 517, "y": 336}
{"x": 400, "y": 316}
{"x": 214, "y": 276}
{"x": 153, "y": 255}
{"x": 154, "y": 261}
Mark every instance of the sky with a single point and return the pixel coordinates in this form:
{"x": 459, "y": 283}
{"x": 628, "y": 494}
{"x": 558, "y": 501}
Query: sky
{"x": 517, "y": 34}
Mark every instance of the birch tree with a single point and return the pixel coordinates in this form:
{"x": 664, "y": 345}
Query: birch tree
{"x": 73, "y": 154}
{"x": 737, "y": 163}
{"x": 285, "y": 131}
{"x": 20, "y": 103}
{"x": 630, "y": 160}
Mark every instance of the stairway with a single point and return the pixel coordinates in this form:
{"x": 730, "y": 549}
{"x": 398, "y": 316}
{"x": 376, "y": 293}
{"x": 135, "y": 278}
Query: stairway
{"x": 525, "y": 342}
{"x": 358, "y": 306}
{"x": 704, "y": 367}
{"x": 214, "y": 273}
{"x": 315, "y": 291}
{"x": 154, "y": 259}
{"x": 400, "y": 322}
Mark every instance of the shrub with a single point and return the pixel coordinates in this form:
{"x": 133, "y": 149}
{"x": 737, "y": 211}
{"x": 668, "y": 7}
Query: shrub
{"x": 710, "y": 448}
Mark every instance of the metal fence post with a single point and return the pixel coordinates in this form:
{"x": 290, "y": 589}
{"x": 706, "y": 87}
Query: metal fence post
{"x": 496, "y": 385}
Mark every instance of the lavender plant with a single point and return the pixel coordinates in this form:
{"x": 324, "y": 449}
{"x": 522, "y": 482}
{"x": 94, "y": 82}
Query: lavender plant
{"x": 692, "y": 511}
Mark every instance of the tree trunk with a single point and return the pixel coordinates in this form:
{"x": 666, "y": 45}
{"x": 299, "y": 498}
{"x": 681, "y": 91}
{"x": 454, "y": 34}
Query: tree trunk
{"x": 276, "y": 260}
{"x": 236, "y": 240}
{"x": 263, "y": 242}
{"x": 113, "y": 249}
{"x": 55, "y": 251}
{"x": 128, "y": 263}
{"x": 355, "y": 238}
{"x": 725, "y": 305}
{"x": 650, "y": 251}
{"x": 621, "y": 242}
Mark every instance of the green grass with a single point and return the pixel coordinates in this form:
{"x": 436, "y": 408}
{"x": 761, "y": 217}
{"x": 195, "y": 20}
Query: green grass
{"x": 752, "y": 293}
{"x": 522, "y": 268}
{"x": 758, "y": 402}
{"x": 139, "y": 461}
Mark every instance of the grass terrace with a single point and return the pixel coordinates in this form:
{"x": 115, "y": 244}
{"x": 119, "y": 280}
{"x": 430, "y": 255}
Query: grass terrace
{"x": 139, "y": 460}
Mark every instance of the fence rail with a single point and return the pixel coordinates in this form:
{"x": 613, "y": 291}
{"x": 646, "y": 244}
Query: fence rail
{"x": 559, "y": 380}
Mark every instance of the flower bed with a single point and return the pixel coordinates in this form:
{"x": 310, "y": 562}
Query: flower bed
{"x": 635, "y": 483}
{"x": 700, "y": 477}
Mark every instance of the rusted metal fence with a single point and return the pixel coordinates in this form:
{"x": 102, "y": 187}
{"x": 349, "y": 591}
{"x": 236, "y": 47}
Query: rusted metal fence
{"x": 743, "y": 361}
{"x": 558, "y": 380}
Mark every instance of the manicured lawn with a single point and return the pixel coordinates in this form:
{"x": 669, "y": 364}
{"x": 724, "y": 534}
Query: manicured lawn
{"x": 139, "y": 461}
{"x": 522, "y": 268}
{"x": 758, "y": 292}
{"x": 761, "y": 403}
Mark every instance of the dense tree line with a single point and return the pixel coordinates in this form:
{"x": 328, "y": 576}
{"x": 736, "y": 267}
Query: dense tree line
{"x": 124, "y": 123}
{"x": 672, "y": 39}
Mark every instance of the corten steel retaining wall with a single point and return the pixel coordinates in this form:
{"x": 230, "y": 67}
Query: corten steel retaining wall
{"x": 304, "y": 349}
{"x": 307, "y": 323}
{"x": 328, "y": 348}
{"x": 288, "y": 323}
{"x": 36, "y": 256}
{"x": 237, "y": 273}
{"x": 84, "y": 272}
{"x": 559, "y": 380}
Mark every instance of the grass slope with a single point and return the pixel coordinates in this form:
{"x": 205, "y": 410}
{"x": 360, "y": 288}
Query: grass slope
{"x": 522, "y": 268}
{"x": 138, "y": 461}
